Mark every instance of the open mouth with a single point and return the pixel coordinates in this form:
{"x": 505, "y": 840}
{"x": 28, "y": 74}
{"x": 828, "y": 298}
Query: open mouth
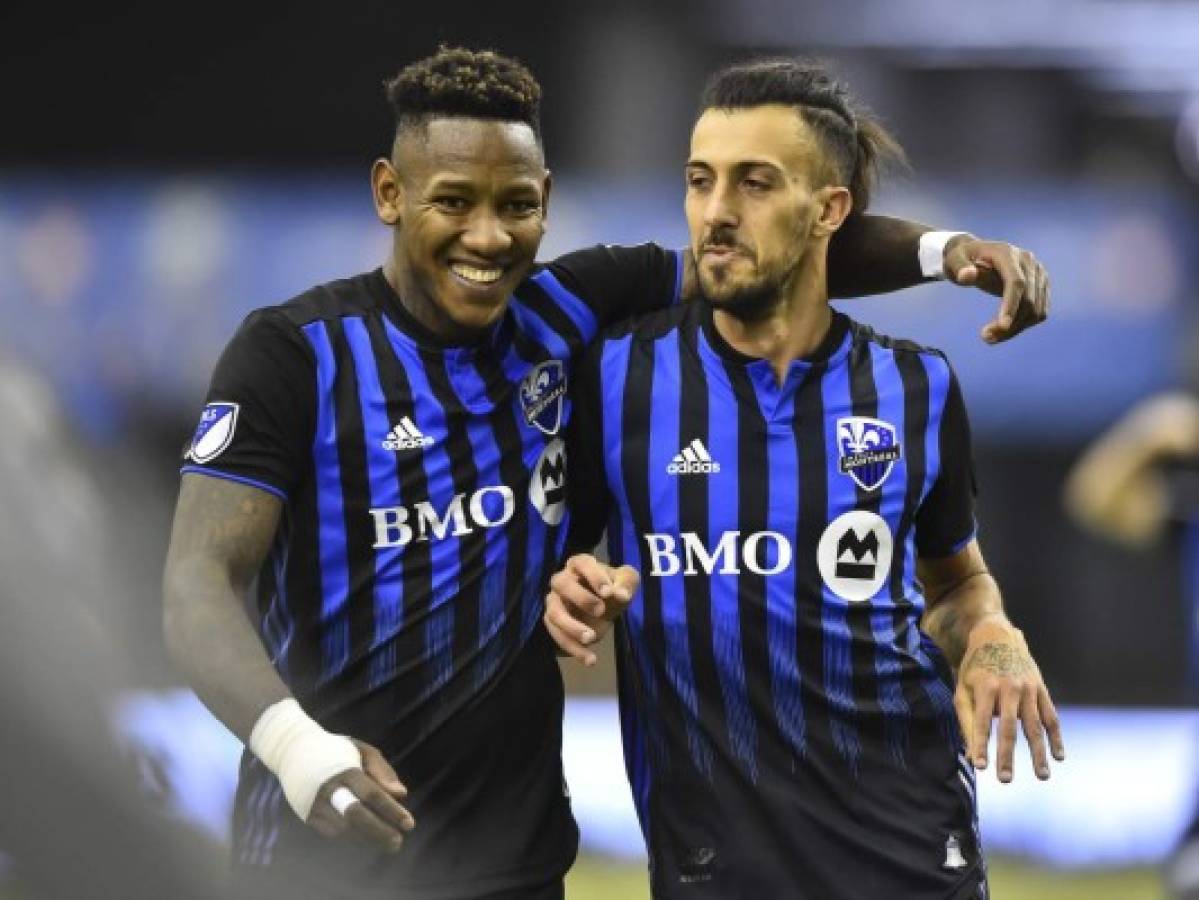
{"x": 475, "y": 276}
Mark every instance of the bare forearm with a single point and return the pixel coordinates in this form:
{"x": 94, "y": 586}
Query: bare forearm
{"x": 953, "y": 616}
{"x": 221, "y": 535}
{"x": 874, "y": 255}
{"x": 216, "y": 648}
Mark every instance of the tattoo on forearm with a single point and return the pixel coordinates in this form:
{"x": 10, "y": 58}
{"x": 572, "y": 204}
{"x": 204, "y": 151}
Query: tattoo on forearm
{"x": 1000, "y": 659}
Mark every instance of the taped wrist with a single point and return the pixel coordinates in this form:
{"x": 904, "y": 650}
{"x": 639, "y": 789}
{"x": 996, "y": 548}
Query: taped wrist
{"x": 300, "y": 752}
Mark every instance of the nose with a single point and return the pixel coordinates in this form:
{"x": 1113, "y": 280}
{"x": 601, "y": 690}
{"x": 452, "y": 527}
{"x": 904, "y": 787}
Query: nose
{"x": 721, "y": 210}
{"x": 486, "y": 235}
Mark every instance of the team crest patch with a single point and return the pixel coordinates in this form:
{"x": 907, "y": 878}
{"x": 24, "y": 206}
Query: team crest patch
{"x": 869, "y": 449}
{"x": 541, "y": 394}
{"x": 214, "y": 433}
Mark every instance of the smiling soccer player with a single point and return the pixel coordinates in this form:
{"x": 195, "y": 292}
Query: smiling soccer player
{"x": 385, "y": 455}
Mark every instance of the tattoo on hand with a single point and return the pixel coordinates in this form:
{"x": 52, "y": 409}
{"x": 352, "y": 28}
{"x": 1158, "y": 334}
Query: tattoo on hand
{"x": 1000, "y": 659}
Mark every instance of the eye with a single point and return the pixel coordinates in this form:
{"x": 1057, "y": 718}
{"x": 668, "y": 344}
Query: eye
{"x": 756, "y": 184}
{"x": 450, "y": 204}
{"x": 523, "y": 207}
{"x": 698, "y": 181}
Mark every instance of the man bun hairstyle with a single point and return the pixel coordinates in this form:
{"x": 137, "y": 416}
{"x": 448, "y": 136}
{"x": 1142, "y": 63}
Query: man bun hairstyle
{"x": 856, "y": 145}
{"x": 459, "y": 83}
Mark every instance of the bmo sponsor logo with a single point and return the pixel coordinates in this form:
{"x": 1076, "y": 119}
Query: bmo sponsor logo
{"x": 398, "y": 526}
{"x": 759, "y": 552}
{"x": 488, "y": 507}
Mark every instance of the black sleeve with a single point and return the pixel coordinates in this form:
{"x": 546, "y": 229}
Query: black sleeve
{"x": 619, "y": 282}
{"x": 258, "y": 421}
{"x": 945, "y": 522}
{"x": 587, "y": 486}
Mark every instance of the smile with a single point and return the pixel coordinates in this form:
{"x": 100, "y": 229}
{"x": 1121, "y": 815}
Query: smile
{"x": 476, "y": 276}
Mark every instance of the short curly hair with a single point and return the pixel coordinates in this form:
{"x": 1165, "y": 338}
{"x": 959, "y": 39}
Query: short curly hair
{"x": 459, "y": 83}
{"x": 856, "y": 143}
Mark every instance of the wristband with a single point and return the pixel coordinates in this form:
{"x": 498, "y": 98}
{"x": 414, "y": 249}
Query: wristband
{"x": 300, "y": 752}
{"x": 931, "y": 252}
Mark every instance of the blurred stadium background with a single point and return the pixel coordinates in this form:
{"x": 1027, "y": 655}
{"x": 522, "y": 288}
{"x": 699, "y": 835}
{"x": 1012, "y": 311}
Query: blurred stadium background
{"x": 163, "y": 171}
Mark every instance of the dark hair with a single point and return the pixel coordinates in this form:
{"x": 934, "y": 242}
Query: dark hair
{"x": 473, "y": 84}
{"x": 856, "y": 145}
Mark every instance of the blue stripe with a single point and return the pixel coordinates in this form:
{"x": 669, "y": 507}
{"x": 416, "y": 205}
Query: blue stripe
{"x": 331, "y": 535}
{"x": 486, "y": 453}
{"x": 384, "y": 480}
{"x": 782, "y": 516}
{"x": 664, "y": 516}
{"x": 891, "y": 392}
{"x": 537, "y": 328}
{"x": 444, "y": 556}
{"x": 277, "y": 624}
{"x": 240, "y": 479}
{"x": 580, "y": 313}
{"x": 680, "y": 262}
{"x": 838, "y": 641}
{"x": 624, "y": 547}
{"x": 723, "y": 507}
{"x": 937, "y": 371}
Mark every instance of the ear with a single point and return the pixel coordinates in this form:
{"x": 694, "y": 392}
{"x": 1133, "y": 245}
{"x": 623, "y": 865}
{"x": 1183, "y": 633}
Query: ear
{"x": 545, "y": 195}
{"x": 388, "y": 191}
{"x": 833, "y": 204}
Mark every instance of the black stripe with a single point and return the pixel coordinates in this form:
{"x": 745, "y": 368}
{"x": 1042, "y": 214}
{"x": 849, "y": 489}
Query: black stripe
{"x": 636, "y": 423}
{"x": 693, "y": 516}
{"x": 753, "y": 485}
{"x": 395, "y": 703}
{"x": 863, "y": 653}
{"x": 915, "y": 419}
{"x": 465, "y": 477}
{"x": 506, "y": 429}
{"x": 808, "y": 427}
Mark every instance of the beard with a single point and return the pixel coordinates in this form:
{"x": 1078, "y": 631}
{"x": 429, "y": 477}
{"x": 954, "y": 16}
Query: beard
{"x": 749, "y": 302}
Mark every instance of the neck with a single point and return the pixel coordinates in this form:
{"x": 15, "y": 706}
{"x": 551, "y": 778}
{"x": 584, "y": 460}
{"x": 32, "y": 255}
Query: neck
{"x": 795, "y": 325}
{"x": 423, "y": 308}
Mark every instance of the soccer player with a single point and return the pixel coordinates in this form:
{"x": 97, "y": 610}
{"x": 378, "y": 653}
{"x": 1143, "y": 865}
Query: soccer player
{"x": 796, "y": 493}
{"x": 385, "y": 455}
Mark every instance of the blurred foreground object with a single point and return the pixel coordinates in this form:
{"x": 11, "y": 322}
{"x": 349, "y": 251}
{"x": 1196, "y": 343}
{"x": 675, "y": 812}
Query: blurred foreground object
{"x": 74, "y": 822}
{"x": 1131, "y": 484}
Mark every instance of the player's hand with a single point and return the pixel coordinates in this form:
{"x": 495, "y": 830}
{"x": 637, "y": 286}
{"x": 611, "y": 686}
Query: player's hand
{"x": 585, "y": 598}
{"x": 1005, "y": 271}
{"x": 377, "y": 816}
{"x": 998, "y": 677}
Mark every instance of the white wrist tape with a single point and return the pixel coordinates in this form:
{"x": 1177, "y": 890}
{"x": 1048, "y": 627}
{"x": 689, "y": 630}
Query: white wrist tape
{"x": 932, "y": 252}
{"x": 301, "y": 753}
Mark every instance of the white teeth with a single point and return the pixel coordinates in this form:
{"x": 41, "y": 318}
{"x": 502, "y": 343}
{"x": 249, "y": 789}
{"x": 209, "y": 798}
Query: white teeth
{"x": 481, "y": 276}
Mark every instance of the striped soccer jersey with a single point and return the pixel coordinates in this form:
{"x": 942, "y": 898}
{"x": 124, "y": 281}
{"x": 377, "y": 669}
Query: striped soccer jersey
{"x": 424, "y": 490}
{"x": 789, "y": 731}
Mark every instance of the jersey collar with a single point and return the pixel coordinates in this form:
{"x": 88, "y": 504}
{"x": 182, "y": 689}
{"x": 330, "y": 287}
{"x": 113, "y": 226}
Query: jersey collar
{"x": 832, "y": 350}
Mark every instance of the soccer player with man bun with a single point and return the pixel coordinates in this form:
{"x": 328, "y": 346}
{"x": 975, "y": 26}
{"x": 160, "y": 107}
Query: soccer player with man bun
{"x": 383, "y": 455}
{"x": 796, "y": 493}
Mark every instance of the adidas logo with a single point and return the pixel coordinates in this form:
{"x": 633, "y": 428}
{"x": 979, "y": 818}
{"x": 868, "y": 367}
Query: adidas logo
{"x": 406, "y": 436}
{"x": 694, "y": 459}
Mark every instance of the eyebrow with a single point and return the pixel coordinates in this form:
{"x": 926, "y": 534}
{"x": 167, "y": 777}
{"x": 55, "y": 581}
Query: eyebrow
{"x": 739, "y": 166}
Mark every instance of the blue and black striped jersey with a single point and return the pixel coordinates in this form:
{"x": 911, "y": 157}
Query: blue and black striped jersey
{"x": 424, "y": 489}
{"x": 789, "y": 730}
